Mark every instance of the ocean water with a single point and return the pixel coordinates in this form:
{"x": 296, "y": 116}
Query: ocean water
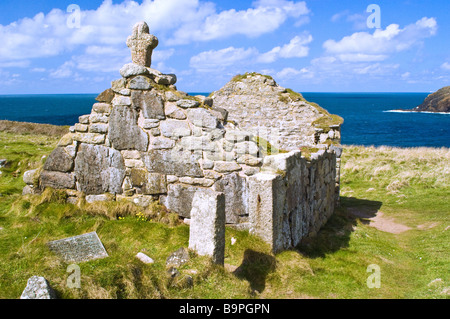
{"x": 367, "y": 116}
{"x": 368, "y": 119}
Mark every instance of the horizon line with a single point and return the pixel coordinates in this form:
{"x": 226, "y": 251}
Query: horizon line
{"x": 343, "y": 92}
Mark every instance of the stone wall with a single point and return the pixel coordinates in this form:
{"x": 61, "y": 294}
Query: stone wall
{"x": 277, "y": 114}
{"x": 146, "y": 141}
{"x": 280, "y": 116}
{"x": 292, "y": 198}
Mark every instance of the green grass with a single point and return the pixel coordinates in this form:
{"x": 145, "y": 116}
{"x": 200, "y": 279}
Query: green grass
{"x": 410, "y": 186}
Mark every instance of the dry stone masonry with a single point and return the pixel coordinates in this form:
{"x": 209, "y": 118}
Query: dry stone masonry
{"x": 252, "y": 154}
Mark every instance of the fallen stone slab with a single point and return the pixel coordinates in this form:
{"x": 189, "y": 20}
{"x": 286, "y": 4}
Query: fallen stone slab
{"x": 80, "y": 248}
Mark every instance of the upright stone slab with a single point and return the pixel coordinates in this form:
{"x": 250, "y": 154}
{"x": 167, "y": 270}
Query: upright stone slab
{"x": 207, "y": 227}
{"x": 266, "y": 203}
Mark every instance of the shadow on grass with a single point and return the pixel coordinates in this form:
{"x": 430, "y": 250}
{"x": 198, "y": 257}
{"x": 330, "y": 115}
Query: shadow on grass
{"x": 254, "y": 268}
{"x": 335, "y": 234}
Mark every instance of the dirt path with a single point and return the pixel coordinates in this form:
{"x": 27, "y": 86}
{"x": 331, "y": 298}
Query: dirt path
{"x": 377, "y": 220}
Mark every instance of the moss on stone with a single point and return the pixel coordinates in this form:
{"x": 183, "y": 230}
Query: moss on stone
{"x": 240, "y": 77}
{"x": 266, "y": 147}
{"x": 326, "y": 121}
{"x": 307, "y": 151}
{"x": 295, "y": 96}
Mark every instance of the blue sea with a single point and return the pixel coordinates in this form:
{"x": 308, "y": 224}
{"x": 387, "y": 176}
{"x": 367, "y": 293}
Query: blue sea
{"x": 367, "y": 120}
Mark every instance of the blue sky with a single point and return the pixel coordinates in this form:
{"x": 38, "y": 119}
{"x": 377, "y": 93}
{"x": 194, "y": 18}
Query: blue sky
{"x": 309, "y": 46}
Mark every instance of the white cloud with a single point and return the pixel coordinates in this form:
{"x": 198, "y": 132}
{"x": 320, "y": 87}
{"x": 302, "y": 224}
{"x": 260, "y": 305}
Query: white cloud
{"x": 177, "y": 21}
{"x": 445, "y": 66}
{"x": 64, "y": 71}
{"x": 372, "y": 47}
{"x": 289, "y": 73}
{"x": 40, "y": 70}
{"x": 219, "y": 59}
{"x": 296, "y": 48}
{"x": 361, "y": 57}
{"x": 266, "y": 16}
{"x": 406, "y": 75}
{"x": 359, "y": 21}
{"x": 15, "y": 64}
{"x": 375, "y": 69}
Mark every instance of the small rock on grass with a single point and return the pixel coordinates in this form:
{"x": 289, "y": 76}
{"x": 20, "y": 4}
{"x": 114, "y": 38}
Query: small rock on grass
{"x": 178, "y": 258}
{"x": 38, "y": 288}
{"x": 144, "y": 258}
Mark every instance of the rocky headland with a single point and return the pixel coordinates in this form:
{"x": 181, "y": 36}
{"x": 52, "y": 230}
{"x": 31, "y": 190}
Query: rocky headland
{"x": 436, "y": 102}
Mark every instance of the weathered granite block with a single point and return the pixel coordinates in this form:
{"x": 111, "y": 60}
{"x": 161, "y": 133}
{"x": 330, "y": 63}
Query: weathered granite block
{"x": 90, "y": 138}
{"x": 207, "y": 226}
{"x": 84, "y": 119}
{"x": 99, "y": 128}
{"x": 166, "y": 79}
{"x": 106, "y": 96}
{"x": 150, "y": 183}
{"x": 81, "y": 127}
{"x": 79, "y": 248}
{"x": 124, "y": 133}
{"x": 226, "y": 167}
{"x": 161, "y": 142}
{"x": 151, "y": 104}
{"x": 235, "y": 189}
{"x": 266, "y": 203}
{"x": 57, "y": 180}
{"x": 179, "y": 198}
{"x": 140, "y": 83}
{"x": 202, "y": 118}
{"x": 98, "y": 118}
{"x": 186, "y": 104}
{"x": 172, "y": 162}
{"x": 131, "y": 69}
{"x": 173, "y": 111}
{"x": 120, "y": 100}
{"x": 38, "y": 288}
{"x": 175, "y": 128}
{"x": 99, "y": 170}
{"x": 102, "y": 108}
{"x": 59, "y": 160}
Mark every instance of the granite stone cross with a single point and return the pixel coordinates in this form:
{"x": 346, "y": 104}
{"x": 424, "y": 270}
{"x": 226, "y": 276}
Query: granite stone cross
{"x": 142, "y": 43}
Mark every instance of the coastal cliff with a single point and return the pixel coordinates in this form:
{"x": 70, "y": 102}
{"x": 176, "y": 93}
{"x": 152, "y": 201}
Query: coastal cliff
{"x": 438, "y": 101}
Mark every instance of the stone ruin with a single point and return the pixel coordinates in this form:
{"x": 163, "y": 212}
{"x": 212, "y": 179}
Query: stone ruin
{"x": 253, "y": 154}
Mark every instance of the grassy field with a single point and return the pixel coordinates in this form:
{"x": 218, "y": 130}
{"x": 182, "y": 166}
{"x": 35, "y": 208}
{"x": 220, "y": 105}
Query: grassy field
{"x": 394, "y": 213}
